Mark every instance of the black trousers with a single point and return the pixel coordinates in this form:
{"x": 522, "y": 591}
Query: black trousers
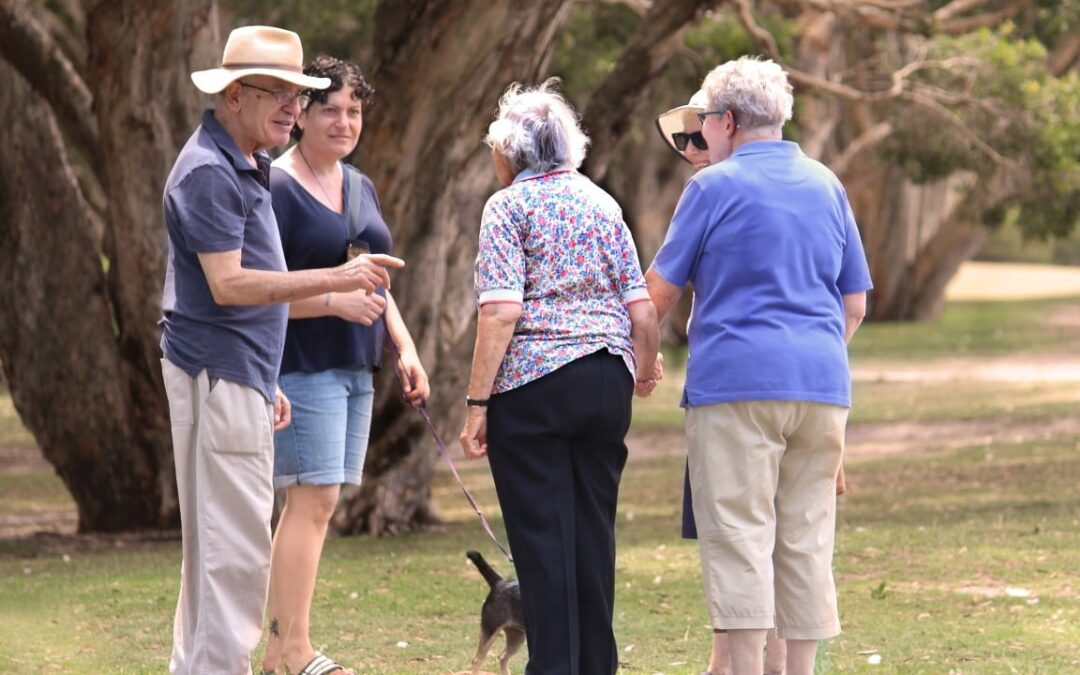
{"x": 557, "y": 448}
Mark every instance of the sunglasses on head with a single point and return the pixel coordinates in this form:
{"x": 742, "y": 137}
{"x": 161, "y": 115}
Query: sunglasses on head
{"x": 681, "y": 140}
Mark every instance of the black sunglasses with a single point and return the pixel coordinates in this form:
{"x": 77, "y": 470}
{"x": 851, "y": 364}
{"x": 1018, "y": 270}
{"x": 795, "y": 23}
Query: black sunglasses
{"x": 681, "y": 139}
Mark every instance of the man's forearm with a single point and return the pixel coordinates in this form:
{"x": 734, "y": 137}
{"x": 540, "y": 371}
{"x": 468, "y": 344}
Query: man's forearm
{"x": 260, "y": 287}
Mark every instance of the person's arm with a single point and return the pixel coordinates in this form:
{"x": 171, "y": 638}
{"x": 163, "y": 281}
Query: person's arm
{"x": 414, "y": 379}
{"x": 664, "y": 294}
{"x": 356, "y": 306}
{"x": 232, "y": 284}
{"x": 494, "y": 329}
{"x": 854, "y": 312}
{"x": 282, "y": 411}
{"x": 645, "y": 334}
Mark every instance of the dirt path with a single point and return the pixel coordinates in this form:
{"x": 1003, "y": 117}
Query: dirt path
{"x": 868, "y": 440}
{"x": 1011, "y": 369}
{"x": 883, "y": 439}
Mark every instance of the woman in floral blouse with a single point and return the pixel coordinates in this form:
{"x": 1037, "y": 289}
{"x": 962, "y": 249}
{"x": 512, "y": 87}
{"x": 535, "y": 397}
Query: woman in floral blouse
{"x": 566, "y": 333}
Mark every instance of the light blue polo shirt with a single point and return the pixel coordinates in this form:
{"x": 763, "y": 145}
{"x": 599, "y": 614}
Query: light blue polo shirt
{"x": 216, "y": 201}
{"x": 768, "y": 240}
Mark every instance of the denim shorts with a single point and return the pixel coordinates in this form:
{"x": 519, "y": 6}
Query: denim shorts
{"x": 331, "y": 420}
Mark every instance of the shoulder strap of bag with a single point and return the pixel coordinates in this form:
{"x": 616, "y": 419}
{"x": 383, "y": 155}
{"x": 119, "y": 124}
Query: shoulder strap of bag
{"x": 356, "y": 195}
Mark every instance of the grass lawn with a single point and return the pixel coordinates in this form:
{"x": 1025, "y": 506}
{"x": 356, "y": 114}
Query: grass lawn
{"x": 955, "y": 560}
{"x": 12, "y": 432}
{"x": 966, "y": 561}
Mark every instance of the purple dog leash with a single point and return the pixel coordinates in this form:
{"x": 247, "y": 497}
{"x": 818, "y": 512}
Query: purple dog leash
{"x": 443, "y": 450}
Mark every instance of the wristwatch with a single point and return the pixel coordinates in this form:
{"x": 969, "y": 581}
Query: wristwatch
{"x": 478, "y": 402}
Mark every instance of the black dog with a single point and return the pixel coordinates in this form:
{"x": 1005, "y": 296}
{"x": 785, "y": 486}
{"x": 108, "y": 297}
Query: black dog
{"x": 501, "y": 611}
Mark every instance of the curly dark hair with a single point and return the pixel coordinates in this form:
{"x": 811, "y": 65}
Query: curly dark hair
{"x": 341, "y": 73}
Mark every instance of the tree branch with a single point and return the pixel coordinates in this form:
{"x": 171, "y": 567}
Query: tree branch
{"x": 958, "y": 26}
{"x": 66, "y": 23}
{"x": 863, "y": 142}
{"x": 656, "y": 39}
{"x": 764, "y": 38}
{"x": 27, "y": 46}
{"x": 901, "y": 88}
{"x": 956, "y": 8}
{"x": 1065, "y": 56}
{"x": 872, "y": 14}
{"x": 935, "y": 106}
{"x": 640, "y": 7}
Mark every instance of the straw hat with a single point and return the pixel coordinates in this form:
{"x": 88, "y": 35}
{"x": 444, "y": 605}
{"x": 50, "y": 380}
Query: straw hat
{"x": 682, "y": 119}
{"x": 259, "y": 50}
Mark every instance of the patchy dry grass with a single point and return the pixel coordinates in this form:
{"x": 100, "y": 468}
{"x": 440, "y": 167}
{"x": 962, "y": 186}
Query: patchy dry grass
{"x": 978, "y": 549}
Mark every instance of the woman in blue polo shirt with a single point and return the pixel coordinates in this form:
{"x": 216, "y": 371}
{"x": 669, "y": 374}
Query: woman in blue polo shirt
{"x": 767, "y": 238}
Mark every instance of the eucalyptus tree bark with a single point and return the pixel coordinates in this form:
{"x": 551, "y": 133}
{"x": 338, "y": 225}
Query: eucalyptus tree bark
{"x": 610, "y": 112}
{"x": 80, "y": 187}
{"x": 916, "y": 236}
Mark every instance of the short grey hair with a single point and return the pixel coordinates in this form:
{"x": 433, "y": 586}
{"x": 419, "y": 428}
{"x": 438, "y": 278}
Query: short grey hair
{"x": 537, "y": 129}
{"x": 757, "y": 92}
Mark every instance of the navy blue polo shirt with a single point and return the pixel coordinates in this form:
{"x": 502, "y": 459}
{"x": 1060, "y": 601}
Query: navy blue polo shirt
{"x": 215, "y": 201}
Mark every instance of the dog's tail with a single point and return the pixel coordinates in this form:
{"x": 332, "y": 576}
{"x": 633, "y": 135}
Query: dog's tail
{"x": 490, "y": 575}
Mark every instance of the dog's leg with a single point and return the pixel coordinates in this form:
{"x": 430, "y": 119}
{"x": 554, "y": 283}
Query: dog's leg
{"x": 514, "y": 639}
{"x": 482, "y": 649}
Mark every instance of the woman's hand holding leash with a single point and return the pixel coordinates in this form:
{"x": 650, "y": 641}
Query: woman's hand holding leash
{"x": 414, "y": 380}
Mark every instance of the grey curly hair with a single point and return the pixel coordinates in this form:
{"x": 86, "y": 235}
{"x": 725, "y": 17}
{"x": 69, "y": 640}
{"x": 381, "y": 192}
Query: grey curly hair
{"x": 757, "y": 92}
{"x": 537, "y": 129}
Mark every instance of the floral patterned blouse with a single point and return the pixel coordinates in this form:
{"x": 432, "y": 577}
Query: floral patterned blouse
{"x": 557, "y": 244}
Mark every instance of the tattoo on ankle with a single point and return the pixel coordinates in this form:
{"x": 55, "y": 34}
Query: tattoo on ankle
{"x": 274, "y": 628}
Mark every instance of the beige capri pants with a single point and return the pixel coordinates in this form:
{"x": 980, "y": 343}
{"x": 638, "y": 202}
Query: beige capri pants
{"x": 763, "y": 475}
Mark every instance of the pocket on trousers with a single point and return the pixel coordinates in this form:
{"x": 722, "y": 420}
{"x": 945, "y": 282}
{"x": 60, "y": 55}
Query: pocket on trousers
{"x": 180, "y": 390}
{"x": 234, "y": 420}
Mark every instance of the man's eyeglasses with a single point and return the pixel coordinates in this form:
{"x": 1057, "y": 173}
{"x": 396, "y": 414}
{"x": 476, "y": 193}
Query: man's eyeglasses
{"x": 681, "y": 140}
{"x": 702, "y": 115}
{"x": 280, "y": 96}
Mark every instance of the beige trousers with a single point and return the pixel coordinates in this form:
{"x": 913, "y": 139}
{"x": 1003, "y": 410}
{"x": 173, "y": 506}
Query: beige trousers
{"x": 223, "y": 446}
{"x": 763, "y": 475}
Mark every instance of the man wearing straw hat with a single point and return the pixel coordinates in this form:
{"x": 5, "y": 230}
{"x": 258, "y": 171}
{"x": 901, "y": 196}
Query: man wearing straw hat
{"x": 222, "y": 336}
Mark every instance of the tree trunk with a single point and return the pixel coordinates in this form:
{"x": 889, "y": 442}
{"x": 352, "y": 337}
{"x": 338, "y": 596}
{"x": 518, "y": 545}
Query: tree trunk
{"x": 145, "y": 107}
{"x": 612, "y": 106}
{"x": 86, "y": 256}
{"x": 57, "y": 345}
{"x": 916, "y": 237}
